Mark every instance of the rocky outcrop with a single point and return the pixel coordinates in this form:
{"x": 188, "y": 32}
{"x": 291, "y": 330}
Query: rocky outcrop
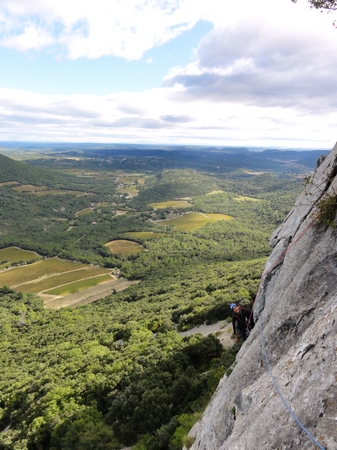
{"x": 296, "y": 315}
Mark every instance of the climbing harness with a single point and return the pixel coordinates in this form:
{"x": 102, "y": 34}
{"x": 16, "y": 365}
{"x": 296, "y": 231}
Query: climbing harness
{"x": 263, "y": 344}
{"x": 244, "y": 329}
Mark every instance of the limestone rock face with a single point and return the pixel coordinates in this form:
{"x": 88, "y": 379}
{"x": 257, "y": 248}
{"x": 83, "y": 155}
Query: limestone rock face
{"x": 296, "y": 315}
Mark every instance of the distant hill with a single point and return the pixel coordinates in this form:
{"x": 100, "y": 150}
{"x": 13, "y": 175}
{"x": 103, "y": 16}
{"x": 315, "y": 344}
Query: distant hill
{"x": 310, "y": 156}
{"x": 210, "y": 159}
{"x": 11, "y": 170}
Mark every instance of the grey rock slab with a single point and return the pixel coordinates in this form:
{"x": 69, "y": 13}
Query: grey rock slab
{"x": 296, "y": 307}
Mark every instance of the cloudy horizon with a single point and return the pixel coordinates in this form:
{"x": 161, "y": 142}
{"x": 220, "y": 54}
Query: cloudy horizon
{"x": 181, "y": 72}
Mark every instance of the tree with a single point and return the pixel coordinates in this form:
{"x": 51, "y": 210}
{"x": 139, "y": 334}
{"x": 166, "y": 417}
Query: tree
{"x": 330, "y": 5}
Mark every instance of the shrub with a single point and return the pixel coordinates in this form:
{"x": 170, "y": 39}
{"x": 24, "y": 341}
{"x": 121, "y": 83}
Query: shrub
{"x": 328, "y": 209}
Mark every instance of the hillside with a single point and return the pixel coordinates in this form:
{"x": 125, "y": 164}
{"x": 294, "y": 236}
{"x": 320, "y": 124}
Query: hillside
{"x": 76, "y": 218}
{"x": 118, "y": 372}
{"x": 11, "y": 170}
{"x": 293, "y": 343}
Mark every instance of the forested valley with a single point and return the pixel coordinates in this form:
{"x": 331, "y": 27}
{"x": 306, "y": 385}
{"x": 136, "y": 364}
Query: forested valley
{"x": 116, "y": 372}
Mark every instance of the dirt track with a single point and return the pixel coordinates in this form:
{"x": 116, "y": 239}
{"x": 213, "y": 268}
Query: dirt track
{"x": 222, "y": 329}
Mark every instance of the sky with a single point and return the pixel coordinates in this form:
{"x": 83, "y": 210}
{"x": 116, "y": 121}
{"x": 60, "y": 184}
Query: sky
{"x": 256, "y": 73}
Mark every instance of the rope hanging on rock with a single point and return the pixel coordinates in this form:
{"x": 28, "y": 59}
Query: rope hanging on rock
{"x": 280, "y": 393}
{"x": 262, "y": 339}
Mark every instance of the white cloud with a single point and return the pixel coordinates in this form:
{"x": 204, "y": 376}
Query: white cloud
{"x": 94, "y": 29}
{"x": 128, "y": 28}
{"x": 258, "y": 62}
{"x": 264, "y": 75}
{"x": 31, "y": 38}
{"x": 153, "y": 117}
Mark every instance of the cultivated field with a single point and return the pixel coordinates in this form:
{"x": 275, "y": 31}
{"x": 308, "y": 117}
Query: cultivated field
{"x": 14, "y": 254}
{"x": 193, "y": 221}
{"x": 84, "y": 212}
{"x": 60, "y": 192}
{"x": 88, "y": 296}
{"x": 49, "y": 281}
{"x": 37, "y": 271}
{"x": 128, "y": 179}
{"x": 30, "y": 188}
{"x": 133, "y": 178}
{"x": 130, "y": 191}
{"x": 141, "y": 181}
{"x": 129, "y": 183}
{"x": 44, "y": 190}
{"x": 78, "y": 286}
{"x": 91, "y": 173}
{"x": 11, "y": 255}
{"x": 170, "y": 204}
{"x": 59, "y": 282}
{"x": 124, "y": 247}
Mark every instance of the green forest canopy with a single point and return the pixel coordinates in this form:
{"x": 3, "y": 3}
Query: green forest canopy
{"x": 117, "y": 372}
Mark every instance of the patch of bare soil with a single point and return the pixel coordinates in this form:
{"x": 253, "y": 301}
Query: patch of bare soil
{"x": 222, "y": 329}
{"x": 87, "y": 296}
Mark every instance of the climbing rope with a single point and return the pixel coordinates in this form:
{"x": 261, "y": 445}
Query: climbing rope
{"x": 280, "y": 393}
{"x": 262, "y": 339}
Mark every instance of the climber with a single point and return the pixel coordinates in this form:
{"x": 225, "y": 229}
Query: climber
{"x": 242, "y": 321}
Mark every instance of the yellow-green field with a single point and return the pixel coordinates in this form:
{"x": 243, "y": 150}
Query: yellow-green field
{"x": 50, "y": 281}
{"x": 170, "y": 204}
{"x": 128, "y": 179}
{"x": 60, "y": 192}
{"x": 131, "y": 178}
{"x": 78, "y": 286}
{"x": 61, "y": 283}
{"x": 29, "y": 188}
{"x": 242, "y": 198}
{"x": 14, "y": 254}
{"x": 43, "y": 190}
{"x": 91, "y": 173}
{"x": 131, "y": 191}
{"x": 47, "y": 267}
{"x": 193, "y": 221}
{"x": 124, "y": 247}
{"x": 84, "y": 212}
{"x": 143, "y": 234}
{"x": 61, "y": 276}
